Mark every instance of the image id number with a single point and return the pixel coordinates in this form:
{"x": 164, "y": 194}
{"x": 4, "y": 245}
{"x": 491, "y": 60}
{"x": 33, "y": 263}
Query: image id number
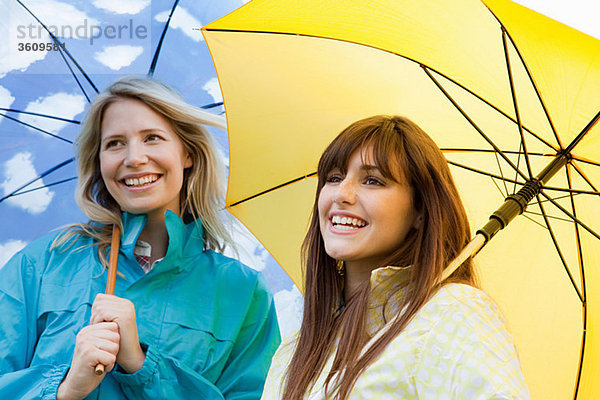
{"x": 22, "y": 46}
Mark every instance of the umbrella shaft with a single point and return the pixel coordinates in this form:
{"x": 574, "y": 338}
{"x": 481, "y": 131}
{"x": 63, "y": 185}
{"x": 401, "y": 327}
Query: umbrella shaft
{"x": 551, "y": 169}
{"x": 516, "y": 203}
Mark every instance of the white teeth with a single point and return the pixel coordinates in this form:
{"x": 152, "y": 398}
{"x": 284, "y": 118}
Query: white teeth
{"x": 141, "y": 181}
{"x": 347, "y": 223}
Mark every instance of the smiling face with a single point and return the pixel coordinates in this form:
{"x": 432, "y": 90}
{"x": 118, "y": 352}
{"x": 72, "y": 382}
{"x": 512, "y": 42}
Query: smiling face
{"x": 142, "y": 160}
{"x": 364, "y": 216}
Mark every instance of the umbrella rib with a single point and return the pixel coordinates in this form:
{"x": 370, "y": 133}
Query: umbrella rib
{"x": 473, "y": 124}
{"x": 212, "y": 105}
{"x": 583, "y": 132}
{"x": 74, "y": 76}
{"x": 42, "y": 175}
{"x": 583, "y": 176}
{"x": 466, "y": 150}
{"x": 535, "y": 88}
{"x": 518, "y": 164}
{"x": 36, "y": 128}
{"x": 160, "y": 41}
{"x": 558, "y": 198}
{"x": 515, "y": 104}
{"x": 498, "y": 187}
{"x": 582, "y": 273}
{"x": 583, "y": 160}
{"x": 573, "y": 191}
{"x": 61, "y": 45}
{"x": 533, "y": 220}
{"x": 47, "y": 185}
{"x": 559, "y": 251}
{"x": 406, "y": 58}
{"x": 574, "y": 218}
{"x": 577, "y": 233}
{"x": 500, "y": 177}
{"x": 39, "y": 115}
{"x": 549, "y": 216}
{"x": 271, "y": 189}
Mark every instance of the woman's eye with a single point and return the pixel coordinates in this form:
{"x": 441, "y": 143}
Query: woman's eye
{"x": 334, "y": 178}
{"x": 152, "y": 138}
{"x": 112, "y": 143}
{"x": 373, "y": 181}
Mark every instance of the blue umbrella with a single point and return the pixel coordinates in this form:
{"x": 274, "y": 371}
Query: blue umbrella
{"x": 55, "y": 58}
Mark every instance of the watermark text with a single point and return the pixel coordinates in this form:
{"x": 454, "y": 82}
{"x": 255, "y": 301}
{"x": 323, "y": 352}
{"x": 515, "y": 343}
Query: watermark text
{"x": 93, "y": 32}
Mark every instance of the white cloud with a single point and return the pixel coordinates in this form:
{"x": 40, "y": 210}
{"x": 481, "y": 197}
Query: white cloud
{"x": 249, "y": 250}
{"x": 184, "y": 21}
{"x": 62, "y": 105}
{"x": 6, "y": 99}
{"x": 18, "y": 26}
{"x": 213, "y": 89}
{"x": 223, "y": 154}
{"x": 9, "y": 249}
{"x": 18, "y": 171}
{"x": 289, "y": 305}
{"x": 122, "y": 7}
{"x": 117, "y": 57}
{"x": 63, "y": 20}
{"x": 17, "y": 60}
{"x": 13, "y": 28}
{"x": 226, "y": 161}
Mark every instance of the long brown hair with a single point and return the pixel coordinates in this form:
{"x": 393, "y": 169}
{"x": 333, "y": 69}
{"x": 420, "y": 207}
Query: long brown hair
{"x": 399, "y": 146}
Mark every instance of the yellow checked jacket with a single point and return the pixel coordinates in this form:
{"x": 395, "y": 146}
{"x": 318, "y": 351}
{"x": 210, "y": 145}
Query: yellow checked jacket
{"x": 456, "y": 347}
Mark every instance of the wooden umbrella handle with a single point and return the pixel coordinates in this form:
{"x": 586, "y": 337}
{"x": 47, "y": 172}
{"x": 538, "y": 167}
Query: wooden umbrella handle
{"x": 112, "y": 274}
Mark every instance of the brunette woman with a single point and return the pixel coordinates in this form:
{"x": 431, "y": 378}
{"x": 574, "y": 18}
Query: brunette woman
{"x": 377, "y": 323}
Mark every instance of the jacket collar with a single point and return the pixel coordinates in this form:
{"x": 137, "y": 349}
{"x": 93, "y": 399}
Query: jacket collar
{"x": 184, "y": 239}
{"x": 387, "y": 296}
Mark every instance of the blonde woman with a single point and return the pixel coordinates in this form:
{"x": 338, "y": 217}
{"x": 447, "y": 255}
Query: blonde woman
{"x": 377, "y": 323}
{"x": 185, "y": 321}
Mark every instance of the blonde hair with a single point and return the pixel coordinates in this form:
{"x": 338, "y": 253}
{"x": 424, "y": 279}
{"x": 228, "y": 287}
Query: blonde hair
{"x": 202, "y": 193}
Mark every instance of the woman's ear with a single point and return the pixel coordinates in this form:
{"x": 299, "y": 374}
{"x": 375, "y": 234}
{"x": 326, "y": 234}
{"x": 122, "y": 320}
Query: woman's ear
{"x": 188, "y": 161}
{"x": 418, "y": 221}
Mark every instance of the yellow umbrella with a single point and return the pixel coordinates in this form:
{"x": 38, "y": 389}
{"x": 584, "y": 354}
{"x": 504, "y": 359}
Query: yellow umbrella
{"x": 504, "y": 91}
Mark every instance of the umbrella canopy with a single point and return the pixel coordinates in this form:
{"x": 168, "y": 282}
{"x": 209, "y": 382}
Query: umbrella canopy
{"x": 44, "y": 91}
{"x": 503, "y": 91}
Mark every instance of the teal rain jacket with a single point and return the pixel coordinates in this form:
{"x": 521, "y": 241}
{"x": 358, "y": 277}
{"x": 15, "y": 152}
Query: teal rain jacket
{"x": 207, "y": 320}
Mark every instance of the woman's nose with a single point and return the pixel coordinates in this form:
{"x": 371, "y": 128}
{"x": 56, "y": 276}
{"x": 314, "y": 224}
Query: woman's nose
{"x": 345, "y": 192}
{"x": 136, "y": 154}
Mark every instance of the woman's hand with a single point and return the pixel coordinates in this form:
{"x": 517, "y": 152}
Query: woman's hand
{"x": 108, "y": 308}
{"x": 95, "y": 344}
